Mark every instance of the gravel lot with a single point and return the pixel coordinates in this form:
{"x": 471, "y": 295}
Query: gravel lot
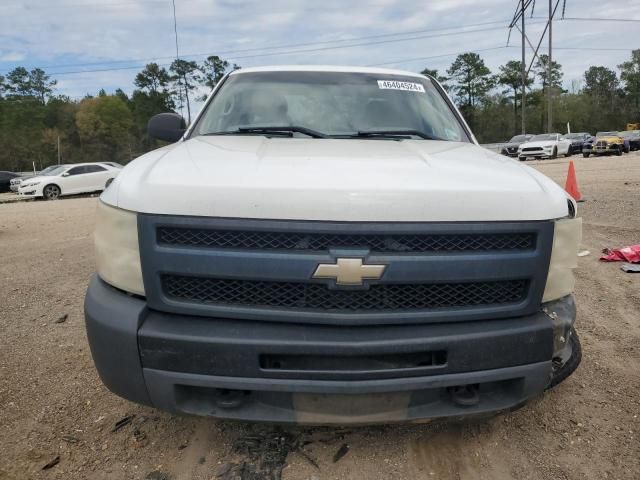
{"x": 52, "y": 403}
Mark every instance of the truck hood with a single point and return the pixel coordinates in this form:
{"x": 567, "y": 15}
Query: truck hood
{"x": 609, "y": 139}
{"x": 335, "y": 179}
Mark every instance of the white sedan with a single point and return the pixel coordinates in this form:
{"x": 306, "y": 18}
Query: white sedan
{"x": 546, "y": 145}
{"x": 70, "y": 180}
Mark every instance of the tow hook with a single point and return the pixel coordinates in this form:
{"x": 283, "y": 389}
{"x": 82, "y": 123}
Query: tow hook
{"x": 228, "y": 399}
{"x": 465, "y": 395}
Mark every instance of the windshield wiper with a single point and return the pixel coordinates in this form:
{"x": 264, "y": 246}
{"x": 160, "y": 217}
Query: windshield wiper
{"x": 406, "y": 133}
{"x": 276, "y": 130}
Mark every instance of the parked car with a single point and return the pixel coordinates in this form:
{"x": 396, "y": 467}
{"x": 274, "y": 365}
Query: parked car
{"x": 607, "y": 143}
{"x": 545, "y": 145}
{"x": 632, "y": 137}
{"x": 587, "y": 146}
{"x": 15, "y": 183}
{"x": 370, "y": 264}
{"x": 511, "y": 147}
{"x": 5, "y": 180}
{"x": 577, "y": 140}
{"x": 69, "y": 179}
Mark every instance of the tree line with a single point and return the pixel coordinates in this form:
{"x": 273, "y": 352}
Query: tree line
{"x": 491, "y": 102}
{"x": 34, "y": 119}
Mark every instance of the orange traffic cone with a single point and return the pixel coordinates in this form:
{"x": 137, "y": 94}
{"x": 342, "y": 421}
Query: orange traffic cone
{"x": 572, "y": 183}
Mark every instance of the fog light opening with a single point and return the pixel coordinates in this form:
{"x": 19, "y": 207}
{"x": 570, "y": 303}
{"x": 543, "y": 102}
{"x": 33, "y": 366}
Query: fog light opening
{"x": 227, "y": 399}
{"x": 465, "y": 395}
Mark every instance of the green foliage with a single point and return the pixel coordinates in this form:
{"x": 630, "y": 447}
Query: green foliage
{"x": 214, "y": 68}
{"x": 432, "y": 72}
{"x": 473, "y": 79}
{"x": 153, "y": 79}
{"x": 186, "y": 77}
{"x": 510, "y": 76}
{"x": 541, "y": 71}
{"x": 472, "y": 83}
{"x": 36, "y": 84}
{"x": 104, "y": 126}
{"x": 630, "y": 76}
{"x": 600, "y": 82}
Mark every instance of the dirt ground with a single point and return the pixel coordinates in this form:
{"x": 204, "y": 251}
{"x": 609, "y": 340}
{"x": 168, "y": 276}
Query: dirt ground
{"x": 52, "y": 404}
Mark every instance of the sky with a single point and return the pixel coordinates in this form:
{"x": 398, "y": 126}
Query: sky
{"x": 87, "y": 45}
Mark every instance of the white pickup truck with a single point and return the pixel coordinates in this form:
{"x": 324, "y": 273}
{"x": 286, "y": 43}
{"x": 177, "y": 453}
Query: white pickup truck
{"x": 330, "y": 245}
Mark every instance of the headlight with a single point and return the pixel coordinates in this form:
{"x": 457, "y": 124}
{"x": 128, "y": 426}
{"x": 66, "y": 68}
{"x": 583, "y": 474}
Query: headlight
{"x": 31, "y": 184}
{"x": 117, "y": 251}
{"x": 564, "y": 258}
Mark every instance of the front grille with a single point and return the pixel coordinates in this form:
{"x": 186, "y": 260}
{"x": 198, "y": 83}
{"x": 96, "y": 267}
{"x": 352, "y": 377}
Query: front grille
{"x": 532, "y": 149}
{"x": 269, "y": 240}
{"x": 316, "y": 296}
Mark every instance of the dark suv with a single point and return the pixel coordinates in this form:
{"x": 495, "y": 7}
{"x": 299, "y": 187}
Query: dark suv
{"x": 577, "y": 141}
{"x": 511, "y": 147}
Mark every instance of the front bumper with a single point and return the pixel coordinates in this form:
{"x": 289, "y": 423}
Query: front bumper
{"x": 513, "y": 153}
{"x": 607, "y": 149}
{"x": 317, "y": 374}
{"x": 535, "y": 154}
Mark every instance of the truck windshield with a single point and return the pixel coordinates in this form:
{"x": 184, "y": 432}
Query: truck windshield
{"x": 330, "y": 104}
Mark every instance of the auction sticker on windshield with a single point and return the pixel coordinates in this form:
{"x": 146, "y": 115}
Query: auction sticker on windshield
{"x": 395, "y": 85}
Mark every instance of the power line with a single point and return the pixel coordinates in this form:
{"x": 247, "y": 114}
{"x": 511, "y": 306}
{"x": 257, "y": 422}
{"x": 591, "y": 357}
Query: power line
{"x": 290, "y": 45}
{"x": 409, "y": 60}
{"x": 599, "y": 19}
{"x": 292, "y": 52}
{"x": 57, "y": 5}
{"x": 604, "y": 49}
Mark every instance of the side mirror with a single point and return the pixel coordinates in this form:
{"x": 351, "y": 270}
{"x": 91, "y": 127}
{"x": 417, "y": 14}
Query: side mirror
{"x": 167, "y": 126}
{"x": 65, "y": 174}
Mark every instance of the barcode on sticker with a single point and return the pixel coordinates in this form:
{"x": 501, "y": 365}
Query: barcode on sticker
{"x": 395, "y": 85}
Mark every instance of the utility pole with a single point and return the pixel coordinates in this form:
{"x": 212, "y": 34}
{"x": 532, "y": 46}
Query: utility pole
{"x": 58, "y": 149}
{"x": 549, "y": 86}
{"x": 524, "y": 74}
{"x": 184, "y": 79}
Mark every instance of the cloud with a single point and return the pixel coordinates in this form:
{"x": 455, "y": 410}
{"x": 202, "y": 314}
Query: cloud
{"x": 11, "y": 56}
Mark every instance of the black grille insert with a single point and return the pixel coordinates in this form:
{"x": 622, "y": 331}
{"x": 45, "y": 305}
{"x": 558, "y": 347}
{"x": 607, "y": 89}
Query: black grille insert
{"x": 353, "y": 363}
{"x": 316, "y": 296}
{"x": 259, "y": 240}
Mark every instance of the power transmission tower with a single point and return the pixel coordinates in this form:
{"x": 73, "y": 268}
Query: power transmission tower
{"x": 519, "y": 16}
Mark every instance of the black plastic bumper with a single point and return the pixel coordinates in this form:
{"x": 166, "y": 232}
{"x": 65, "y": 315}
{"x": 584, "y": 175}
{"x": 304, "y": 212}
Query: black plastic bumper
{"x": 283, "y": 372}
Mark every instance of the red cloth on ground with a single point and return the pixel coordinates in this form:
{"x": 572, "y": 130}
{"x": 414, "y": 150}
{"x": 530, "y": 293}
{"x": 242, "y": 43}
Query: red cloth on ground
{"x": 629, "y": 254}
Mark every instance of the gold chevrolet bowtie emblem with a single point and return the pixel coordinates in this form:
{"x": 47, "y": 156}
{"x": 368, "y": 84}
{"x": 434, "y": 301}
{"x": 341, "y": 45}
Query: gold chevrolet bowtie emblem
{"x": 349, "y": 271}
